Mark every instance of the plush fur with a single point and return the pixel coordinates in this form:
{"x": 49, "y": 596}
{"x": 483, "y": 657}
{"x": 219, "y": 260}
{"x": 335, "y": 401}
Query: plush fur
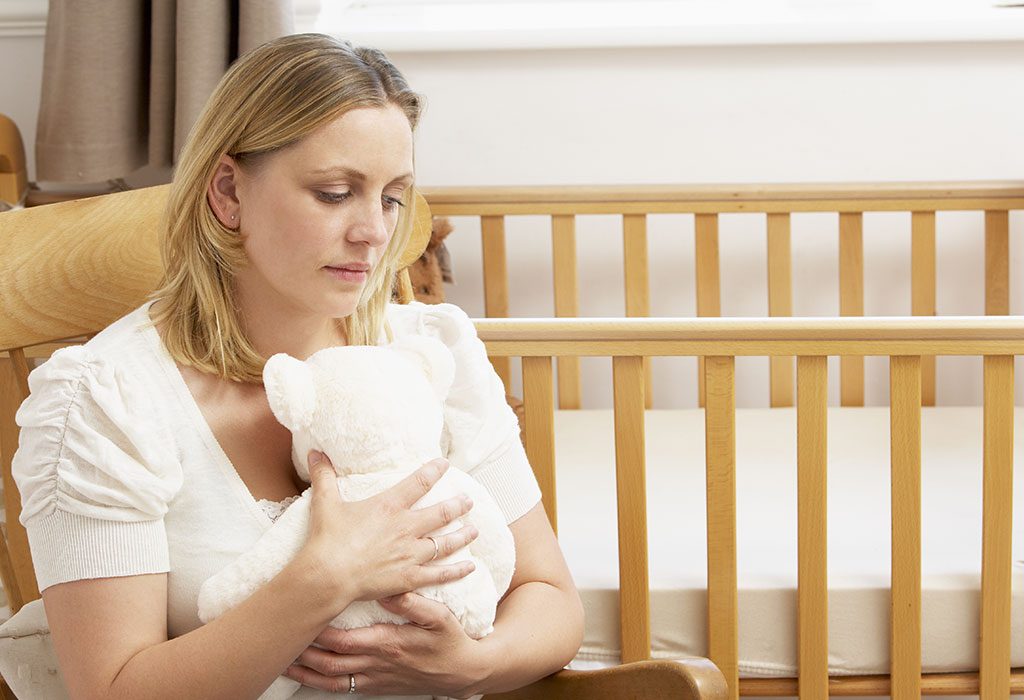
{"x": 377, "y": 413}
{"x": 433, "y": 269}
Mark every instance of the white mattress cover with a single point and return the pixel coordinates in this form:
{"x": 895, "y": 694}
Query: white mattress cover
{"x": 858, "y": 535}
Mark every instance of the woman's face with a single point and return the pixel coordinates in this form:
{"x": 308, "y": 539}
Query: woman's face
{"x": 317, "y": 216}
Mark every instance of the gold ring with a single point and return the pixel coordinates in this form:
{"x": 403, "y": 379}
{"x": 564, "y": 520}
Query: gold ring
{"x": 436, "y": 548}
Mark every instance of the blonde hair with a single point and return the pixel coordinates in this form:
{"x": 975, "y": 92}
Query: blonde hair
{"x": 268, "y": 100}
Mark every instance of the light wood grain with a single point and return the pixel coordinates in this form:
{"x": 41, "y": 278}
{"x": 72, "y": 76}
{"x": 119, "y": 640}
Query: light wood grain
{"x": 685, "y": 679}
{"x": 713, "y": 199}
{"x": 707, "y": 271}
{"x": 638, "y": 290}
{"x": 631, "y": 490}
{"x": 14, "y": 390}
{"x": 905, "y": 451}
{"x": 851, "y": 301}
{"x": 997, "y": 528}
{"x": 966, "y": 329}
{"x": 812, "y": 572}
{"x": 997, "y": 262}
{"x": 780, "y": 302}
{"x": 82, "y": 250}
{"x": 538, "y": 398}
{"x": 563, "y": 252}
{"x": 845, "y": 686}
{"x": 922, "y": 286}
{"x": 720, "y": 454}
{"x": 492, "y": 234}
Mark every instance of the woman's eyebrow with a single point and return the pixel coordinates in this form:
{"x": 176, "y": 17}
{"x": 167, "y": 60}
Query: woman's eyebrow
{"x": 353, "y": 173}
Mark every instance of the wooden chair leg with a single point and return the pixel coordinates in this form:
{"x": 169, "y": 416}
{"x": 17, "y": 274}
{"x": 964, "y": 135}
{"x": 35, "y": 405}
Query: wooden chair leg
{"x": 5, "y": 692}
{"x": 686, "y": 679}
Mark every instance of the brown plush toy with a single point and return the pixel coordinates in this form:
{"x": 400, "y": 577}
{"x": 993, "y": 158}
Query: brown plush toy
{"x": 433, "y": 269}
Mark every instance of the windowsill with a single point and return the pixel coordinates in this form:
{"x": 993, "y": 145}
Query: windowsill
{"x": 557, "y": 24}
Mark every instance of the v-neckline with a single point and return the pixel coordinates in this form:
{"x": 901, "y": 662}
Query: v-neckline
{"x": 195, "y": 414}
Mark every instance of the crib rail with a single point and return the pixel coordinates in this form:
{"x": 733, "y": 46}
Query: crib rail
{"x": 493, "y": 205}
{"x": 906, "y": 341}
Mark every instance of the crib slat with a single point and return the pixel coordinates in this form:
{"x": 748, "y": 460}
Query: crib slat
{"x": 812, "y": 575}
{"x": 905, "y": 444}
{"x": 851, "y": 301}
{"x": 634, "y": 601}
{"x": 638, "y": 289}
{"x": 492, "y": 234}
{"x": 922, "y": 284}
{"x": 708, "y": 289}
{"x": 13, "y": 390}
{"x": 780, "y": 302}
{"x": 538, "y": 397}
{"x": 720, "y": 455}
{"x": 997, "y": 263}
{"x": 997, "y": 528}
{"x": 563, "y": 255}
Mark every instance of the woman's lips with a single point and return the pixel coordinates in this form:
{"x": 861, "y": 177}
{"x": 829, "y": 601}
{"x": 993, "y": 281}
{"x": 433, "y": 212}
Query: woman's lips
{"x": 348, "y": 274}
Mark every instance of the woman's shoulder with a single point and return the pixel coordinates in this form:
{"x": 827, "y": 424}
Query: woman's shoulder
{"x": 101, "y": 364}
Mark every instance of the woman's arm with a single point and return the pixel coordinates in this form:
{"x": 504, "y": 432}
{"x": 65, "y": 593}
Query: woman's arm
{"x": 538, "y": 629}
{"x": 111, "y": 637}
{"x": 111, "y": 634}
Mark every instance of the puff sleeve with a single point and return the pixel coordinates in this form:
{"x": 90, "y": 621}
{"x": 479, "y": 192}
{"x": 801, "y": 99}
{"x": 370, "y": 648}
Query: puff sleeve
{"x": 95, "y": 469}
{"x": 481, "y": 428}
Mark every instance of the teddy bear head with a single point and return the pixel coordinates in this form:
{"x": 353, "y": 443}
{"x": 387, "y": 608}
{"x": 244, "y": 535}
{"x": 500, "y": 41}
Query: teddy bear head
{"x": 368, "y": 408}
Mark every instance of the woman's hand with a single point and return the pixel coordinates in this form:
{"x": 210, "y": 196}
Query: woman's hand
{"x": 431, "y": 655}
{"x": 378, "y": 547}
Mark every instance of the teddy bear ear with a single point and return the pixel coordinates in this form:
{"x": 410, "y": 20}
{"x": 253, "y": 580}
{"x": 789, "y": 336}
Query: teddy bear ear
{"x": 433, "y": 357}
{"x": 291, "y": 390}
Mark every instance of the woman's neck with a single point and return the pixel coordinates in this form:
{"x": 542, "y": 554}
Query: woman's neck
{"x": 271, "y": 331}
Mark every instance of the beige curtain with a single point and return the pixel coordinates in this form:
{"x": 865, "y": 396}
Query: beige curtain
{"x": 124, "y": 80}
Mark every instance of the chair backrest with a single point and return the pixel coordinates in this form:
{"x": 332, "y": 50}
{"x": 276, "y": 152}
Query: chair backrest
{"x": 66, "y": 271}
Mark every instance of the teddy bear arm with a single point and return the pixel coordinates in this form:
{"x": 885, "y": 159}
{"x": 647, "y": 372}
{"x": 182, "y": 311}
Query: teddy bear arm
{"x": 239, "y": 579}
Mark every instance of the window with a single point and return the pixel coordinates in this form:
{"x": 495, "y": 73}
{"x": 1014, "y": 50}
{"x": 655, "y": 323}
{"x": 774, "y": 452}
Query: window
{"x": 412, "y": 25}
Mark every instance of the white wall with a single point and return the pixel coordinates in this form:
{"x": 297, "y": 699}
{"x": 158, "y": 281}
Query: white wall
{"x": 727, "y": 114}
{"x": 21, "y": 76}
{"x": 813, "y": 113}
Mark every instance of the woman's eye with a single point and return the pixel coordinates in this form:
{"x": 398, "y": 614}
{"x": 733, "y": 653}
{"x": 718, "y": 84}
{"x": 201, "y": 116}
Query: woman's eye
{"x": 392, "y": 203}
{"x": 333, "y": 197}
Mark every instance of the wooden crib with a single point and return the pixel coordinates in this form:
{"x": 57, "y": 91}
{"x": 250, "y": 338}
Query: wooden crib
{"x": 911, "y": 345}
{"x": 564, "y": 205}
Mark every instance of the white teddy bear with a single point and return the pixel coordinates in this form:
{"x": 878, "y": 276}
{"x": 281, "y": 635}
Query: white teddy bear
{"x": 377, "y": 413}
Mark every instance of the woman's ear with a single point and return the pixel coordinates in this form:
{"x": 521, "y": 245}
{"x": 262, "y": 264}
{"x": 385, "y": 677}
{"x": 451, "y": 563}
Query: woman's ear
{"x": 221, "y": 193}
{"x": 291, "y": 391}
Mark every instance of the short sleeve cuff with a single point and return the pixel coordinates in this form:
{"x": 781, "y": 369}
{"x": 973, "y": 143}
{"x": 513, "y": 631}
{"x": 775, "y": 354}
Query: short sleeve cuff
{"x": 510, "y": 480}
{"x": 70, "y": 547}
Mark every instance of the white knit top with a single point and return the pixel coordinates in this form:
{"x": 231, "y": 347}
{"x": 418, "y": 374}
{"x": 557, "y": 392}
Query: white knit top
{"x": 120, "y": 474}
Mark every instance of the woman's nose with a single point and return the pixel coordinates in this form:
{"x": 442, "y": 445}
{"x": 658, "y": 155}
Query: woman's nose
{"x": 370, "y": 226}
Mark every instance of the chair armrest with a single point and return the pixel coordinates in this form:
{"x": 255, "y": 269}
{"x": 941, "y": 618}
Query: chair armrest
{"x": 687, "y": 679}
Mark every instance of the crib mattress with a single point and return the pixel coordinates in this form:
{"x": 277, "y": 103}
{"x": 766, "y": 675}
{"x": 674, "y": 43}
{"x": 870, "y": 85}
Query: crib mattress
{"x": 858, "y": 536}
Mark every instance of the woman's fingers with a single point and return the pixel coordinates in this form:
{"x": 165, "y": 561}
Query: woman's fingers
{"x": 330, "y": 663}
{"x": 440, "y": 514}
{"x": 441, "y": 546}
{"x": 415, "y": 486}
{"x": 437, "y": 574}
{"x": 418, "y": 610}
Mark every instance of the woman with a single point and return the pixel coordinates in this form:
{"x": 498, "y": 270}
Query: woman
{"x": 149, "y": 458}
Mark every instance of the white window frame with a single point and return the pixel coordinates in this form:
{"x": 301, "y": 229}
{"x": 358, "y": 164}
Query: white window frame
{"x": 475, "y": 25}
